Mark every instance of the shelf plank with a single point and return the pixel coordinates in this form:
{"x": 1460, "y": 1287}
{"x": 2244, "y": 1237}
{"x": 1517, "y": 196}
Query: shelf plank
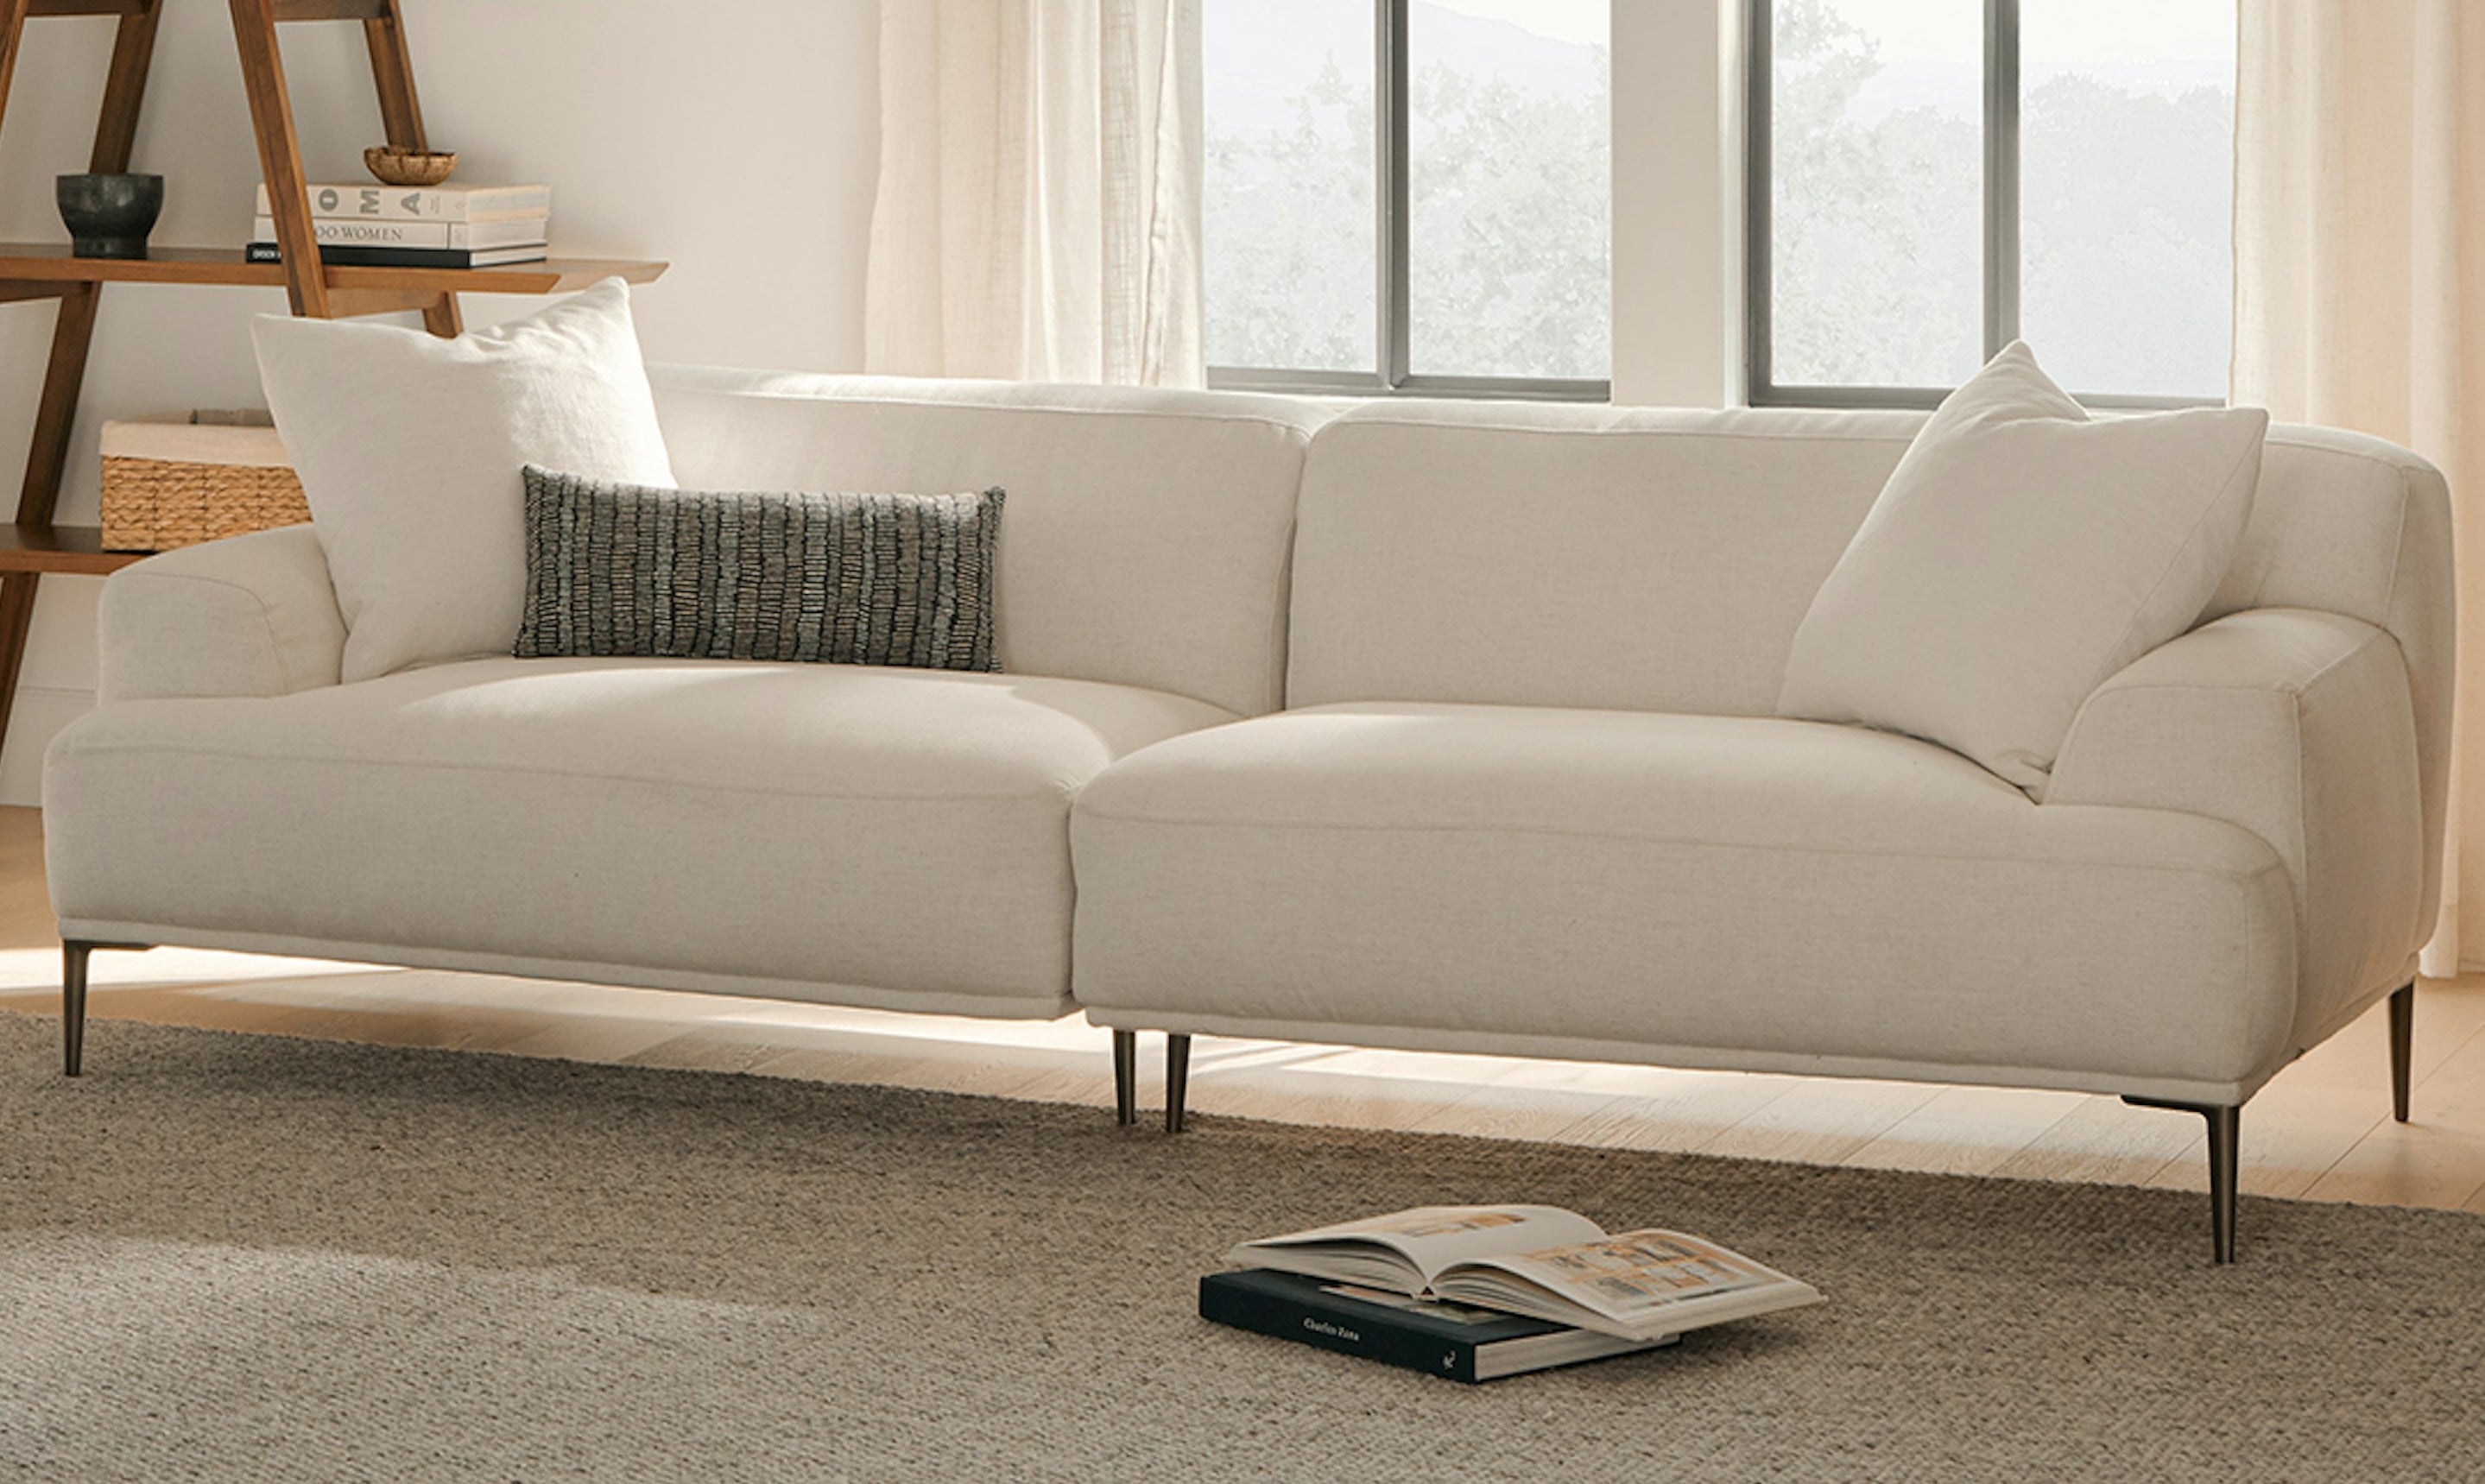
{"x": 331, "y": 10}
{"x": 41, "y": 263}
{"x": 85, "y": 7}
{"x": 75, "y": 549}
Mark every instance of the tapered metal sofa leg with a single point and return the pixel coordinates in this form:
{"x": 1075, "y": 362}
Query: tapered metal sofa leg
{"x": 2225, "y": 1146}
{"x": 1177, "y": 1080}
{"x": 2225, "y": 1142}
{"x": 73, "y": 958}
{"x": 1125, "y": 1077}
{"x": 2402, "y": 1047}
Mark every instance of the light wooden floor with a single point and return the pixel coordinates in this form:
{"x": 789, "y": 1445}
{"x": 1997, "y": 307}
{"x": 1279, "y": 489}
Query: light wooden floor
{"x": 2321, "y": 1131}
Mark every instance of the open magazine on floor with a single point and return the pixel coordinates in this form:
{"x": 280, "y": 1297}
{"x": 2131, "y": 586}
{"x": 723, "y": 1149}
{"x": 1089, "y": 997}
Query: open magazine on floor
{"x": 1538, "y": 1260}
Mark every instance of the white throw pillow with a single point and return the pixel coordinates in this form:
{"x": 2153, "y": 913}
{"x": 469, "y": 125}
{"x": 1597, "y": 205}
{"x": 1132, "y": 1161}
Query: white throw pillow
{"x": 410, "y": 449}
{"x": 2019, "y": 555}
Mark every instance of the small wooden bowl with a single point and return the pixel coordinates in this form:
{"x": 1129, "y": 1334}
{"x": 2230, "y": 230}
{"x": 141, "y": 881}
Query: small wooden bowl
{"x": 414, "y": 168}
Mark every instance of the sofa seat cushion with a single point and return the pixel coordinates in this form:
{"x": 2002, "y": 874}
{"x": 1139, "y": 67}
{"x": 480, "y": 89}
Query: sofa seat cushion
{"x": 1703, "y": 890}
{"x": 778, "y": 828}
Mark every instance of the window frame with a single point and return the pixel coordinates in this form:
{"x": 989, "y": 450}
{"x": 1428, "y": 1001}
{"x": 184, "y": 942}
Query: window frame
{"x": 1394, "y": 375}
{"x": 2003, "y": 262}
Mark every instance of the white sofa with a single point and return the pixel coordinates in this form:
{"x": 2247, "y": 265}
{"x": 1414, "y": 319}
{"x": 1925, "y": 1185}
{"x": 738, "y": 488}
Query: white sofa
{"x": 1435, "y": 725}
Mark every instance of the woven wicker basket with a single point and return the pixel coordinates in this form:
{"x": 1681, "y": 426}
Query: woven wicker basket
{"x": 176, "y": 482}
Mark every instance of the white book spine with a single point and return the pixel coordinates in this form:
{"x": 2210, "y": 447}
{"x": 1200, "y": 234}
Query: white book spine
{"x": 479, "y": 236}
{"x": 443, "y": 204}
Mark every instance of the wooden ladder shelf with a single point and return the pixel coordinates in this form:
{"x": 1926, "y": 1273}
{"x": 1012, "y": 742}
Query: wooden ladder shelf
{"x": 31, "y": 272}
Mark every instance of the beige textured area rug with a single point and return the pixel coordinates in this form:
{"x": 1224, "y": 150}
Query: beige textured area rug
{"x": 230, "y": 1258}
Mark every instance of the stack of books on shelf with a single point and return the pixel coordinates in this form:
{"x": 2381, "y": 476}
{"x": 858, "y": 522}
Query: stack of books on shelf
{"x": 396, "y": 227}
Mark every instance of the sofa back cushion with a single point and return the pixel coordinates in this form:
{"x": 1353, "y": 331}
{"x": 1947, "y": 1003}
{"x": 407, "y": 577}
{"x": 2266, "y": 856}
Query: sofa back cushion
{"x": 1634, "y": 559}
{"x": 1148, "y": 531}
{"x": 1658, "y": 559}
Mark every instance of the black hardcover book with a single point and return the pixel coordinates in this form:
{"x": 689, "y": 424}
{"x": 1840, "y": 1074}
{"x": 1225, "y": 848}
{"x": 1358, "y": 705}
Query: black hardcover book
{"x": 1426, "y": 1335}
{"x": 404, "y": 256}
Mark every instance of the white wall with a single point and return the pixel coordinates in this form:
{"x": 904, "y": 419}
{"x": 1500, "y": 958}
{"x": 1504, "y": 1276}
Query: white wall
{"x": 1677, "y": 204}
{"x": 739, "y": 140}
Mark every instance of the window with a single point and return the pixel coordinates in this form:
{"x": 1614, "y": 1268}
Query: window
{"x": 1933, "y": 178}
{"x": 1408, "y": 196}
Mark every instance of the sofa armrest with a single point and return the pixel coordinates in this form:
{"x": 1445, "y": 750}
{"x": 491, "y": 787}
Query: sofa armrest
{"x": 247, "y": 615}
{"x": 2298, "y": 726}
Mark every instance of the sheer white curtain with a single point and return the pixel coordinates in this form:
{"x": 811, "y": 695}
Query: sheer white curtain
{"x": 2360, "y": 285}
{"x": 1039, "y": 208}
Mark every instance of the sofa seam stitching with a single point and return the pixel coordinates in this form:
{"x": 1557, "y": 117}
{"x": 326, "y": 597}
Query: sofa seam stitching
{"x": 1259, "y": 419}
{"x": 2398, "y": 549}
{"x": 2225, "y": 486}
{"x": 2255, "y": 873}
{"x": 1347, "y": 420}
{"x": 259, "y": 600}
{"x": 125, "y": 750}
{"x": 2365, "y": 642}
{"x": 1950, "y": 1063}
{"x": 2303, "y": 831}
{"x": 2110, "y": 690}
{"x": 419, "y": 946}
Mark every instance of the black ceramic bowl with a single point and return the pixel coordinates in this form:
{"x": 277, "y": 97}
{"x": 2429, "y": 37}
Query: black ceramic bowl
{"x": 109, "y": 216}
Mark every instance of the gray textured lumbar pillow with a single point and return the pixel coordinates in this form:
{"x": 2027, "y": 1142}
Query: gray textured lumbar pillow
{"x": 627, "y": 569}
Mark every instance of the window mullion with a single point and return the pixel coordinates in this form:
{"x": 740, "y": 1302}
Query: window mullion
{"x": 1759, "y": 167}
{"x": 2001, "y": 174}
{"x": 1390, "y": 90}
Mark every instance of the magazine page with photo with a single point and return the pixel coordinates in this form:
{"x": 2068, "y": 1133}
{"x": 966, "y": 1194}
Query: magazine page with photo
{"x": 1541, "y": 1262}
